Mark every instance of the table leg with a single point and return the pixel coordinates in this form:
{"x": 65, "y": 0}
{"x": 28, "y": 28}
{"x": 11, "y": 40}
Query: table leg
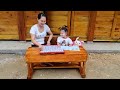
{"x": 30, "y": 70}
{"x": 82, "y": 69}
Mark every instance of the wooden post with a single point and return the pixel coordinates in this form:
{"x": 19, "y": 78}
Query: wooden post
{"x": 21, "y": 26}
{"x": 72, "y": 23}
{"x": 69, "y": 23}
{"x": 115, "y": 33}
{"x": 91, "y": 26}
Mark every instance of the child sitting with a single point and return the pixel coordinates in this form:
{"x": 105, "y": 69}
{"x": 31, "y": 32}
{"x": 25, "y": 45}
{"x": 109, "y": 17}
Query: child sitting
{"x": 63, "y": 39}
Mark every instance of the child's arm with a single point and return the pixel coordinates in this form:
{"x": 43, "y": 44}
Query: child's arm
{"x": 58, "y": 44}
{"x": 58, "y": 41}
{"x": 70, "y": 42}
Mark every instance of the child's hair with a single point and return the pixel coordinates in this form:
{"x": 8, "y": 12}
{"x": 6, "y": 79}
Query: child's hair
{"x": 41, "y": 15}
{"x": 64, "y": 27}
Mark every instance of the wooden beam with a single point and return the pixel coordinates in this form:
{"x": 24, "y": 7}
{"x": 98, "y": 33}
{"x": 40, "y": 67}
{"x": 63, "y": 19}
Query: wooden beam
{"x": 69, "y": 23}
{"x": 115, "y": 33}
{"x": 91, "y": 26}
{"x": 21, "y": 26}
{"x": 72, "y": 23}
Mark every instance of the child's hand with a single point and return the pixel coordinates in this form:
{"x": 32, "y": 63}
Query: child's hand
{"x": 70, "y": 45}
{"x": 48, "y": 43}
{"x": 59, "y": 45}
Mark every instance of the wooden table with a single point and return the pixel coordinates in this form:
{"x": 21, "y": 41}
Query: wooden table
{"x": 77, "y": 58}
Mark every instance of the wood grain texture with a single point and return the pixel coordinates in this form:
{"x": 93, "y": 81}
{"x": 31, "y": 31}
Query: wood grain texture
{"x": 34, "y": 58}
{"x": 9, "y": 25}
{"x": 79, "y": 23}
{"x": 21, "y": 26}
{"x": 107, "y": 25}
{"x": 56, "y": 19}
{"x": 33, "y": 55}
{"x": 104, "y": 24}
{"x": 9, "y": 37}
{"x": 116, "y": 27}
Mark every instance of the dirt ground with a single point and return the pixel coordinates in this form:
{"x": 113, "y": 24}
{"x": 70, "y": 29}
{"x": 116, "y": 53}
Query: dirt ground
{"x": 99, "y": 66}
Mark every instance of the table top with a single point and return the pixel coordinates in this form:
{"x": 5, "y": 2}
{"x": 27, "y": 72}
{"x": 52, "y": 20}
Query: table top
{"x": 52, "y": 49}
{"x": 33, "y": 55}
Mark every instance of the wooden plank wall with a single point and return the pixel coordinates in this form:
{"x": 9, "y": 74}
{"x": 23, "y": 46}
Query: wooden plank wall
{"x": 30, "y": 19}
{"x": 8, "y": 25}
{"x": 116, "y": 26}
{"x": 103, "y": 27}
{"x": 79, "y": 24}
{"x": 56, "y": 19}
{"x": 88, "y": 25}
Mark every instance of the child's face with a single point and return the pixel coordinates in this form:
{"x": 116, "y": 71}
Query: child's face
{"x": 63, "y": 33}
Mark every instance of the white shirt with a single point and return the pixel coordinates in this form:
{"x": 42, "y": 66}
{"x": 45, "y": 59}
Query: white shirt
{"x": 39, "y": 36}
{"x": 64, "y": 41}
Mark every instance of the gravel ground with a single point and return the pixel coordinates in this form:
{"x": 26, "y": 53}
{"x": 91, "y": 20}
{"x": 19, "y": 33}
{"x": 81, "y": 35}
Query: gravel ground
{"x": 99, "y": 66}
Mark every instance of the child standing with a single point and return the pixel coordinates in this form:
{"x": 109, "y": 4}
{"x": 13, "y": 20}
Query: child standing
{"x": 63, "y": 39}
